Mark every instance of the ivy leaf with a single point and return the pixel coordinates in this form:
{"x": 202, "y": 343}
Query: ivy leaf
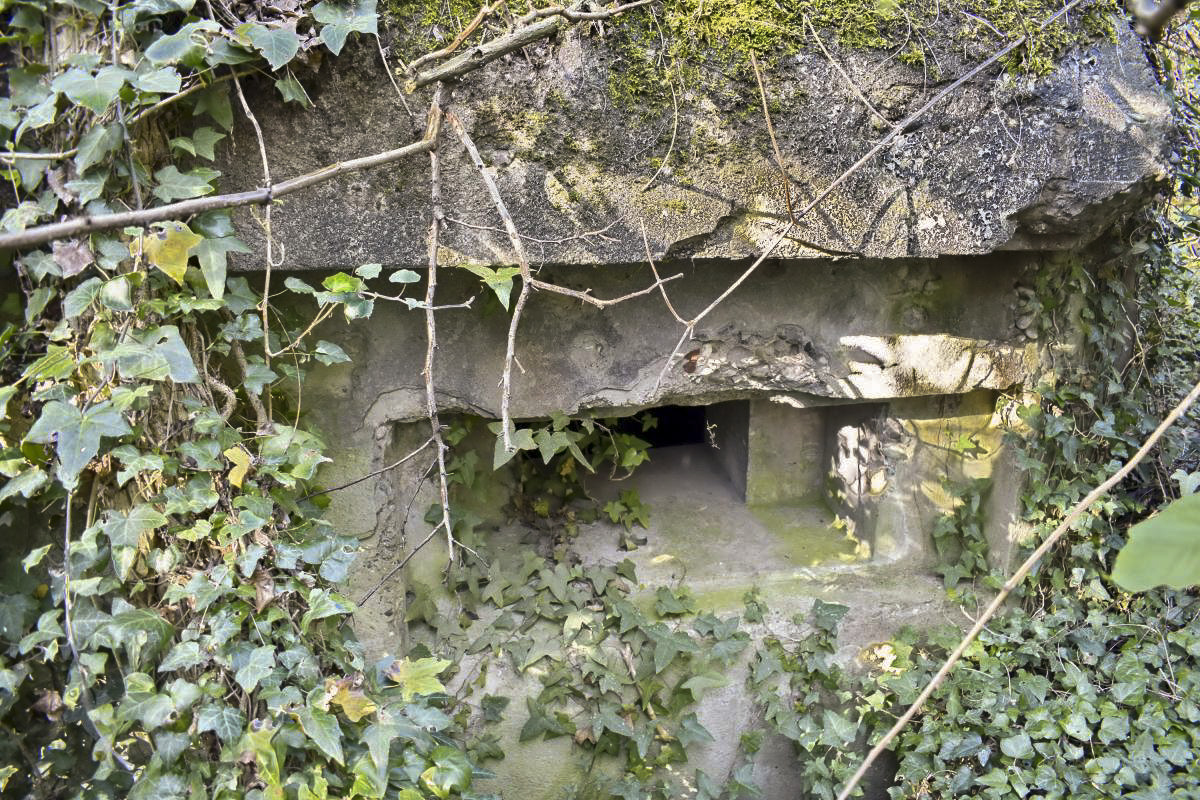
{"x": 692, "y": 732}
{"x": 323, "y": 603}
{"x": 417, "y": 677}
{"x": 241, "y": 464}
{"x": 214, "y": 263}
{"x": 127, "y": 530}
{"x": 143, "y": 702}
{"x": 292, "y": 92}
{"x": 404, "y": 276}
{"x": 186, "y": 44}
{"x": 323, "y": 729}
{"x": 257, "y": 666}
{"x": 169, "y": 247}
{"x": 697, "y": 684}
{"x": 162, "y": 81}
{"x": 1018, "y": 745}
{"x": 329, "y": 353}
{"x": 77, "y": 434}
{"x": 354, "y": 702}
{"x": 93, "y": 92}
{"x": 451, "y": 772}
{"x": 96, "y": 144}
{"x": 225, "y": 721}
{"x": 184, "y": 655}
{"x": 1163, "y": 550}
{"x": 204, "y": 140}
{"x": 171, "y": 184}
{"x": 278, "y": 45}
{"x": 500, "y": 281}
{"x": 838, "y": 731}
{"x": 257, "y": 376}
{"x": 24, "y": 484}
{"x": 340, "y": 20}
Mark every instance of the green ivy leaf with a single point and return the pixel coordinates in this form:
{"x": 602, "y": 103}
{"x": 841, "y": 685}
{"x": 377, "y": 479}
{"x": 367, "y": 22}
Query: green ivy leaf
{"x": 1163, "y": 550}
{"x": 417, "y": 677}
{"x": 451, "y": 772}
{"x": 76, "y": 434}
{"x": 93, "y": 92}
{"x": 323, "y": 729}
{"x": 292, "y": 92}
{"x": 278, "y": 45}
{"x": 342, "y": 19}
{"x": 258, "y": 666}
{"x": 96, "y": 144}
{"x": 171, "y": 184}
{"x": 323, "y": 603}
{"x": 212, "y": 255}
{"x": 162, "y": 81}
{"x": 225, "y": 721}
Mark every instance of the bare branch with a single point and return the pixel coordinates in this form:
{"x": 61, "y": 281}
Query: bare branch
{"x": 849, "y": 82}
{"x": 543, "y": 23}
{"x": 787, "y": 182}
{"x": 1015, "y": 581}
{"x": 89, "y": 224}
{"x": 435, "y": 200}
{"x": 370, "y": 475}
{"x": 586, "y": 297}
{"x": 671, "y": 146}
{"x": 661, "y": 288}
{"x": 401, "y": 565}
{"x": 514, "y": 237}
{"x": 484, "y": 12}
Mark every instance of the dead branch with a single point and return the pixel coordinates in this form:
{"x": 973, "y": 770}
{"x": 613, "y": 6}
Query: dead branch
{"x": 370, "y": 475}
{"x": 787, "y": 182}
{"x": 586, "y": 296}
{"x": 522, "y": 263}
{"x": 185, "y": 208}
{"x": 671, "y": 146}
{"x": 845, "y": 77}
{"x": 264, "y": 304}
{"x": 400, "y": 566}
{"x": 542, "y": 23}
{"x": 435, "y": 201}
{"x": 661, "y": 288}
{"x": 484, "y": 12}
{"x": 1015, "y": 581}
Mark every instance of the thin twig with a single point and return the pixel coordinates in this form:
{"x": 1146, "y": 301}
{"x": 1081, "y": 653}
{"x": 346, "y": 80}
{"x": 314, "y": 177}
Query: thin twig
{"x": 671, "y": 146}
{"x": 522, "y": 263}
{"x": 369, "y": 475}
{"x": 484, "y": 11}
{"x": 388, "y": 69}
{"x": 586, "y": 297}
{"x": 547, "y": 23}
{"x": 116, "y": 60}
{"x": 1015, "y": 581}
{"x": 435, "y": 201}
{"x": 787, "y": 182}
{"x": 401, "y": 565}
{"x": 89, "y": 224}
{"x": 849, "y": 82}
{"x": 266, "y": 168}
{"x": 654, "y": 269}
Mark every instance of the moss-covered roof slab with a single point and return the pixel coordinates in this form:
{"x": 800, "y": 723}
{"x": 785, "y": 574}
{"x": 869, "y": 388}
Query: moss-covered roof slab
{"x": 586, "y": 158}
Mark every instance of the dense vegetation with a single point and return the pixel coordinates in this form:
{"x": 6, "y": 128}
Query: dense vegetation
{"x": 171, "y": 620}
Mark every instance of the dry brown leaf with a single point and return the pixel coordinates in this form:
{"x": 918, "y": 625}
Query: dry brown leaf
{"x": 72, "y": 256}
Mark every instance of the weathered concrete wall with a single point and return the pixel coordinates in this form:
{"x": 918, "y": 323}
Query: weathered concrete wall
{"x": 1007, "y": 163}
{"x": 865, "y": 358}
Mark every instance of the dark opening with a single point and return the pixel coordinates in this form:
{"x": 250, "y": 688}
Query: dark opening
{"x": 676, "y": 425}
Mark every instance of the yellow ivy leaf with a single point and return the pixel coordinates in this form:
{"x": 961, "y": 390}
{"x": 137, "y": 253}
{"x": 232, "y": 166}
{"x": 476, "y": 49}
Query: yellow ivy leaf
{"x": 354, "y": 702}
{"x": 241, "y": 464}
{"x": 168, "y": 247}
{"x": 418, "y": 677}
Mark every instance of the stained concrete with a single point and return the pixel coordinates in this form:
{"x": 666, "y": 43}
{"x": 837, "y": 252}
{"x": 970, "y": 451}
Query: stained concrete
{"x": 867, "y": 362}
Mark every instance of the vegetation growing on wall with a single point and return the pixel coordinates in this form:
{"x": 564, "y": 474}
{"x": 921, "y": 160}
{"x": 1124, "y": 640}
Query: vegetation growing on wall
{"x": 172, "y": 624}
